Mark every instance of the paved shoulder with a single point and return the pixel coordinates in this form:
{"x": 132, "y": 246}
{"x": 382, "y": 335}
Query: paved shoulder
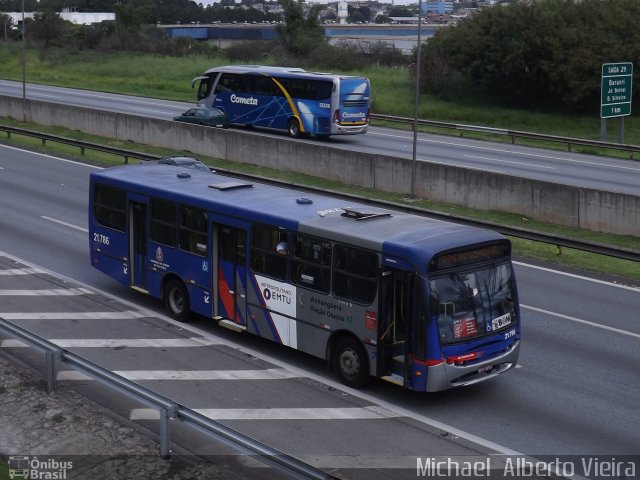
{"x": 66, "y": 431}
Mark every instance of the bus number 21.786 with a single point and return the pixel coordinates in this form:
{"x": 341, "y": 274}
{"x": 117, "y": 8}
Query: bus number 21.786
{"x": 98, "y": 237}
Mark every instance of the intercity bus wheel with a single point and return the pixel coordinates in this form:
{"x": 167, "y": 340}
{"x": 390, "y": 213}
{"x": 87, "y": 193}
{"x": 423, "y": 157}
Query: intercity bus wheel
{"x": 294, "y": 128}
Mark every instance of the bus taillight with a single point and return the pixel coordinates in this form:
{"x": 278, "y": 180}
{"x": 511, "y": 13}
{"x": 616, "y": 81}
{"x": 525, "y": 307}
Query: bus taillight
{"x": 336, "y": 117}
{"x": 429, "y": 362}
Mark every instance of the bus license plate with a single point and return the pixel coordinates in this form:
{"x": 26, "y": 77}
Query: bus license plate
{"x": 501, "y": 321}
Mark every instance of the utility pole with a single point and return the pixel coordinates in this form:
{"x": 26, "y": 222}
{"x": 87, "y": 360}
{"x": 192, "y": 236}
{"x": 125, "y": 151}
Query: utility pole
{"x": 416, "y": 110}
{"x": 24, "y": 68}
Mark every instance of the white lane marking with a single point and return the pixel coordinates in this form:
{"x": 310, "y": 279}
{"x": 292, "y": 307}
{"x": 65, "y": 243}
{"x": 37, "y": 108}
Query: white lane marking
{"x": 51, "y": 157}
{"x": 73, "y": 315}
{"x": 584, "y": 322}
{"x": 46, "y": 292}
{"x": 580, "y": 277}
{"x": 70, "y": 225}
{"x": 268, "y": 374}
{"x": 117, "y": 342}
{"x": 461, "y": 165}
{"x": 147, "y": 111}
{"x": 511, "y": 152}
{"x": 139, "y": 375}
{"x": 99, "y": 95}
{"x": 508, "y": 161}
{"x": 44, "y": 95}
{"x": 314, "y": 413}
{"x": 21, "y": 271}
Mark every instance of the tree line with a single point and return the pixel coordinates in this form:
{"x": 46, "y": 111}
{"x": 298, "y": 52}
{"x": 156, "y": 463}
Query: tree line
{"x": 147, "y": 12}
{"x": 300, "y": 39}
{"x": 544, "y": 55}
{"x": 548, "y": 54}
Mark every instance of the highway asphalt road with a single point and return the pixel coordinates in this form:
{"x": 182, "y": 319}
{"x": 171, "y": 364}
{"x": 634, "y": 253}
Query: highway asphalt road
{"x": 602, "y": 173}
{"x": 576, "y": 390}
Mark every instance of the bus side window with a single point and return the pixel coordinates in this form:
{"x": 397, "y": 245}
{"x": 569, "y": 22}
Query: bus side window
{"x": 321, "y": 90}
{"x": 311, "y": 263}
{"x": 263, "y": 85}
{"x": 163, "y": 222}
{"x": 355, "y": 274}
{"x": 109, "y": 207}
{"x": 205, "y": 88}
{"x": 265, "y": 258}
{"x": 193, "y": 230}
{"x": 242, "y": 84}
{"x": 226, "y": 83}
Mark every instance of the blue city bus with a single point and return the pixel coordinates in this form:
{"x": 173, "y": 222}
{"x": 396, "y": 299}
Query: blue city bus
{"x": 422, "y": 303}
{"x": 291, "y": 99}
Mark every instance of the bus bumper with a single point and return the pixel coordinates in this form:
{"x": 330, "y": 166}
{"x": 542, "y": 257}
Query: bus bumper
{"x": 445, "y": 375}
{"x": 349, "y": 129}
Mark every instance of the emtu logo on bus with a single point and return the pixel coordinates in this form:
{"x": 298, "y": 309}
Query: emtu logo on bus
{"x": 245, "y": 101}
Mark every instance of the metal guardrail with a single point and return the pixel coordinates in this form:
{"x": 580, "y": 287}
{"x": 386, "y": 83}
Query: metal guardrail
{"x": 591, "y": 247}
{"x": 168, "y": 408}
{"x": 514, "y": 134}
{"x": 44, "y": 137}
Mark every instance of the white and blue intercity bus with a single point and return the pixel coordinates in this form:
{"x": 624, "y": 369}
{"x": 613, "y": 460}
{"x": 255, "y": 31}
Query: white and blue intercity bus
{"x": 291, "y": 99}
{"x": 422, "y": 303}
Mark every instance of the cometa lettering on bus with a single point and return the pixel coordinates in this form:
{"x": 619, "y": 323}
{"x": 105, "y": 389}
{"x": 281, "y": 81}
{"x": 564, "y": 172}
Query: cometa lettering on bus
{"x": 246, "y": 101}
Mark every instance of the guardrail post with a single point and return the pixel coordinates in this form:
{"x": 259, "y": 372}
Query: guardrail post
{"x": 44, "y": 142}
{"x": 82, "y": 151}
{"x": 51, "y": 369}
{"x": 126, "y": 160}
{"x": 166, "y": 414}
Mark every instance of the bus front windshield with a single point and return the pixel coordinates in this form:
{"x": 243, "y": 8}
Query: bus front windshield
{"x": 473, "y": 303}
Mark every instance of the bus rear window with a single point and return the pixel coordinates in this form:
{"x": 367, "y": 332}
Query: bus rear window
{"x": 109, "y": 206}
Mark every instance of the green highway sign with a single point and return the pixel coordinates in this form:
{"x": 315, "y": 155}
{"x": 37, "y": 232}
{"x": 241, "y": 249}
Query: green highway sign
{"x": 616, "y": 89}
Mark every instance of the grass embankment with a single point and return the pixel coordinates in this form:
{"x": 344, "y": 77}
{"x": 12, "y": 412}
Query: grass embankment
{"x": 169, "y": 78}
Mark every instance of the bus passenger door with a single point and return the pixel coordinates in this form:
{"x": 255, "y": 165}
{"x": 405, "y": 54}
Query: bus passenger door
{"x": 138, "y": 245}
{"x": 232, "y": 274}
{"x": 394, "y": 325}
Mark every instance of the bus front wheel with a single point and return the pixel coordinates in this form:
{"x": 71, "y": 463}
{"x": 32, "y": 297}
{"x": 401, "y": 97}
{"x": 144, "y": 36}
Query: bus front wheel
{"x": 294, "y": 128}
{"x": 176, "y": 300}
{"x": 351, "y": 362}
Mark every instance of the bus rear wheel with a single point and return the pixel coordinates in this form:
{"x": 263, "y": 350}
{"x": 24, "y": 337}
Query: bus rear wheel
{"x": 351, "y": 362}
{"x": 293, "y": 127}
{"x": 176, "y": 300}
